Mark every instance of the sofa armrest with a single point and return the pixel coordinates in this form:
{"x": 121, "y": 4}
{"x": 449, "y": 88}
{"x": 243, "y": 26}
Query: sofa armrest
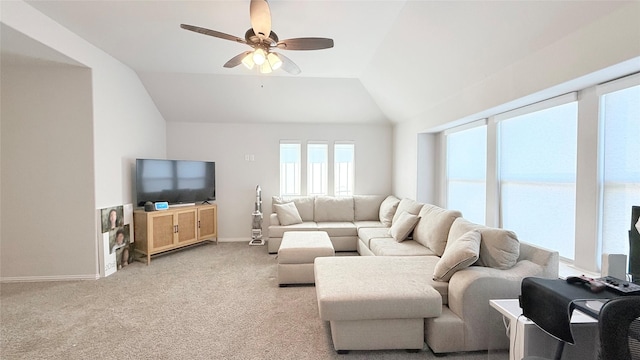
{"x": 273, "y": 219}
{"x": 471, "y": 289}
{"x": 548, "y": 259}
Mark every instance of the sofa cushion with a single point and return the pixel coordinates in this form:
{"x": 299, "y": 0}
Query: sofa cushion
{"x": 441, "y": 286}
{"x": 369, "y": 224}
{"x": 433, "y": 228}
{"x": 287, "y": 214}
{"x": 329, "y": 208}
{"x": 388, "y": 209}
{"x": 276, "y": 231}
{"x": 367, "y": 207}
{"x": 304, "y": 204}
{"x": 408, "y": 205}
{"x": 499, "y": 248}
{"x": 458, "y": 255}
{"x": 366, "y": 234}
{"x": 389, "y": 247}
{"x": 335, "y": 229}
{"x": 401, "y": 228}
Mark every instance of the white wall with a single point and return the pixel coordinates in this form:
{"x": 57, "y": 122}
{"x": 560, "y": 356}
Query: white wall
{"x": 47, "y": 172}
{"x": 559, "y": 68}
{"x": 124, "y": 124}
{"x": 236, "y": 179}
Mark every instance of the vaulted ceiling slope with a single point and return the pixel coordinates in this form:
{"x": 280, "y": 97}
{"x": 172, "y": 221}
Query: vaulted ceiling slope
{"x": 392, "y": 60}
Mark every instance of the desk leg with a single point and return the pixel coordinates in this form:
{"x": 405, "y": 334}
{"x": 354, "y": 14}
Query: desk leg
{"x": 519, "y": 336}
{"x": 516, "y": 338}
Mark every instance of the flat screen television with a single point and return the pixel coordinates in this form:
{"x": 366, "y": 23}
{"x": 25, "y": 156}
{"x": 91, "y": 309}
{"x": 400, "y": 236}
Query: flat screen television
{"x": 175, "y": 181}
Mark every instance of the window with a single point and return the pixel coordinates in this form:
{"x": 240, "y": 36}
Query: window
{"x": 466, "y": 171}
{"x": 537, "y": 170}
{"x": 317, "y": 162}
{"x": 344, "y": 154}
{"x": 289, "y": 168}
{"x": 620, "y": 153}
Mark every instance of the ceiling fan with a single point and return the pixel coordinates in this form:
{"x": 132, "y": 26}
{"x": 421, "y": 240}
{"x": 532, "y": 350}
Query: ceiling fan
{"x": 263, "y": 40}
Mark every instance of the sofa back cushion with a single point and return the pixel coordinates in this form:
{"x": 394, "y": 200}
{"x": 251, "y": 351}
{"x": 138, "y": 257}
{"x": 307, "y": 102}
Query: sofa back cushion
{"x": 304, "y": 204}
{"x": 367, "y": 207}
{"x": 388, "y": 210}
{"x": 499, "y": 248}
{"x": 408, "y": 205}
{"x": 329, "y": 208}
{"x": 432, "y": 230}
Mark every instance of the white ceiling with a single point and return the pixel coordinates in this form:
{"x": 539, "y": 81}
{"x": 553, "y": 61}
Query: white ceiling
{"x": 391, "y": 60}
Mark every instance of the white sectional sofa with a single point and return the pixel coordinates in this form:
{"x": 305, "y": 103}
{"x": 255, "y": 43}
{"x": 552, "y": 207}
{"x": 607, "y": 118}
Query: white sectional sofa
{"x": 468, "y": 264}
{"x": 340, "y": 217}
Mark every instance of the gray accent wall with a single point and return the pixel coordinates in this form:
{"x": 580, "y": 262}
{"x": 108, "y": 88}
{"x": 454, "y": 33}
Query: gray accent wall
{"x": 47, "y": 171}
{"x": 73, "y": 121}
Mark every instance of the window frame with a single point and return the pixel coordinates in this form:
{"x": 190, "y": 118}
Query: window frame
{"x": 540, "y": 106}
{"x": 297, "y": 169}
{"x": 324, "y": 169}
{"x": 601, "y": 91}
{"x": 352, "y": 170}
{"x": 458, "y": 129}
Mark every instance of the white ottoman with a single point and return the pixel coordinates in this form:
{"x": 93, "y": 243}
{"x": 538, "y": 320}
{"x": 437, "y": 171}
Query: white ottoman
{"x": 376, "y": 302}
{"x": 297, "y": 253}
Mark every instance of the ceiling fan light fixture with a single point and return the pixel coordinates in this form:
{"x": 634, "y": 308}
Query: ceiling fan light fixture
{"x": 247, "y": 61}
{"x": 259, "y": 56}
{"x": 265, "y": 68}
{"x": 274, "y": 61}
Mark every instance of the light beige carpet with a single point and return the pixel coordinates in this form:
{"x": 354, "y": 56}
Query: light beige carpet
{"x": 207, "y": 302}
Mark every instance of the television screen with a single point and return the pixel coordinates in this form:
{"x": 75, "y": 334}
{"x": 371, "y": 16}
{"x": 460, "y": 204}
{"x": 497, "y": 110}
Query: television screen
{"x": 175, "y": 181}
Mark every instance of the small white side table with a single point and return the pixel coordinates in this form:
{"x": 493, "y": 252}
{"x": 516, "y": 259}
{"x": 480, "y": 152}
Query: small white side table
{"x": 524, "y": 334}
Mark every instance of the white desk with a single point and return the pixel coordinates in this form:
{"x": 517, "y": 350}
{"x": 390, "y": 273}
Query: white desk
{"x": 526, "y": 338}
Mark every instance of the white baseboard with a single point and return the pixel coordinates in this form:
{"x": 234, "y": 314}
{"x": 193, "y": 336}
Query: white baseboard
{"x": 10, "y": 279}
{"x": 228, "y": 240}
{"x": 88, "y": 277}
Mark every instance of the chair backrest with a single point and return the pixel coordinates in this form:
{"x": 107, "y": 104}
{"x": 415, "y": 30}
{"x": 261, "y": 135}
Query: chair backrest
{"x": 619, "y": 325}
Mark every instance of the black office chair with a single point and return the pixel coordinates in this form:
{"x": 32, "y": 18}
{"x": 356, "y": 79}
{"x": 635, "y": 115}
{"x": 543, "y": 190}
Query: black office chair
{"x": 619, "y": 325}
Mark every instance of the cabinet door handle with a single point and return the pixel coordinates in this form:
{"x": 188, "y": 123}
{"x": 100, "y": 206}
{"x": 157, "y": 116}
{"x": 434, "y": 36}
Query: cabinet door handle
{"x": 175, "y": 228}
{"x": 198, "y": 224}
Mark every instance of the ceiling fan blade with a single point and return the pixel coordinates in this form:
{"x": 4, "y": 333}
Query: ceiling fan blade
{"x": 213, "y": 33}
{"x": 236, "y": 60}
{"x": 288, "y": 65}
{"x": 260, "y": 18}
{"x": 305, "y": 44}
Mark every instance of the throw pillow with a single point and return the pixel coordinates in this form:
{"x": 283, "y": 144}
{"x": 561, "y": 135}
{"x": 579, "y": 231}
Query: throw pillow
{"x": 458, "y": 255}
{"x": 388, "y": 209}
{"x": 288, "y": 214}
{"x": 408, "y": 205}
{"x": 403, "y": 226}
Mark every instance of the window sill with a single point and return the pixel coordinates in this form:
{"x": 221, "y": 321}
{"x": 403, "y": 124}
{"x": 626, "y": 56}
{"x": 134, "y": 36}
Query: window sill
{"x": 568, "y": 269}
